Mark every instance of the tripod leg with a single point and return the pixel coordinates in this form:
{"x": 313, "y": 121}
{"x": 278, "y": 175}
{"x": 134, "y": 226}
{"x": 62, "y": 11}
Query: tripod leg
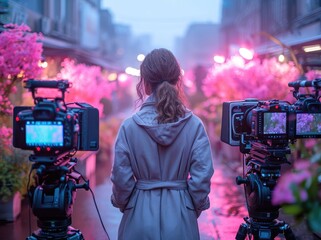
{"x": 288, "y": 233}
{"x": 242, "y": 232}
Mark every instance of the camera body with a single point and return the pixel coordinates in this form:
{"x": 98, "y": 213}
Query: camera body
{"x": 51, "y": 128}
{"x": 253, "y": 120}
{"x": 235, "y": 119}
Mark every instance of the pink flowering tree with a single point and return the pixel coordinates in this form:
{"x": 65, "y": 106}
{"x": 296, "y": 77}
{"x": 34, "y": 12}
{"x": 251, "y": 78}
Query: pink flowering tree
{"x": 262, "y": 80}
{"x": 88, "y": 83}
{"x": 20, "y": 53}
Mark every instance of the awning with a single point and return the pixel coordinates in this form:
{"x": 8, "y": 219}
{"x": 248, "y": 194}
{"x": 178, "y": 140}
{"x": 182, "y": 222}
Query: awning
{"x": 56, "y": 47}
{"x": 292, "y": 41}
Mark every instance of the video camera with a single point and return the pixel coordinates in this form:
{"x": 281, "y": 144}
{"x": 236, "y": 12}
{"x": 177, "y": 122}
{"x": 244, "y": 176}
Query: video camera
{"x": 52, "y": 128}
{"x": 54, "y": 131}
{"x": 254, "y": 120}
{"x": 263, "y": 130}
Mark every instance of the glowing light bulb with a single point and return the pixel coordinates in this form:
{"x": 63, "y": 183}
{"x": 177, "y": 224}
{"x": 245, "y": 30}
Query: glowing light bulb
{"x": 246, "y": 53}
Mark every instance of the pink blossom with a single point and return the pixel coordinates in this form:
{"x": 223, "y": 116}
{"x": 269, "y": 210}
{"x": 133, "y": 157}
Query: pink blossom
{"x": 88, "y": 83}
{"x": 20, "y": 52}
{"x": 312, "y": 74}
{"x": 5, "y": 132}
{"x": 301, "y": 173}
{"x": 14, "y": 89}
{"x": 302, "y": 164}
{"x": 310, "y": 143}
{"x": 283, "y": 191}
{"x": 5, "y": 140}
{"x": 263, "y": 80}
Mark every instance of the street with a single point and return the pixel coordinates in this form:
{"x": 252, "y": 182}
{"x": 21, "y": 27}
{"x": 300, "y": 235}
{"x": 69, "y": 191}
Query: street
{"x": 221, "y": 221}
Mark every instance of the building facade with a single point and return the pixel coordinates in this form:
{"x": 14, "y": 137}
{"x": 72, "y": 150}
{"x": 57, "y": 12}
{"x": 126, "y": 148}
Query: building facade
{"x": 77, "y": 29}
{"x": 274, "y": 27}
{"x": 200, "y": 43}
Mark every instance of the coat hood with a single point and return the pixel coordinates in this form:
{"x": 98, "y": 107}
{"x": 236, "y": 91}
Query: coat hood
{"x": 163, "y": 134}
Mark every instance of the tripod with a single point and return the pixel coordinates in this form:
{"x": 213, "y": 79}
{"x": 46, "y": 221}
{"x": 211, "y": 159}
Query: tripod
{"x": 53, "y": 197}
{"x": 263, "y": 169}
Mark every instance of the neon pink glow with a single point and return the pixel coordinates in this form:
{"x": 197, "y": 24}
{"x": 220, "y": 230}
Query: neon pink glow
{"x": 122, "y": 77}
{"x": 246, "y": 53}
{"x": 219, "y": 59}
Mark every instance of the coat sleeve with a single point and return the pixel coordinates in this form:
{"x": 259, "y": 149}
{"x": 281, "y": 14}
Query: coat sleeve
{"x": 201, "y": 171}
{"x": 122, "y": 175}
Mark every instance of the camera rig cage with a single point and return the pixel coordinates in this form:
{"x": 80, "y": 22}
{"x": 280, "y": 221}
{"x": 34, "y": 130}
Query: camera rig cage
{"x": 253, "y": 120}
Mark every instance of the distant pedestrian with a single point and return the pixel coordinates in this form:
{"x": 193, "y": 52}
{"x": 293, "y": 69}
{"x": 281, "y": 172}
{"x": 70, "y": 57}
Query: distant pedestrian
{"x": 163, "y": 162}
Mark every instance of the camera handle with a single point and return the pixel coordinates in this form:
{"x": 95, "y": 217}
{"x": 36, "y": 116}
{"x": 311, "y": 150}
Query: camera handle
{"x": 33, "y": 85}
{"x": 302, "y": 82}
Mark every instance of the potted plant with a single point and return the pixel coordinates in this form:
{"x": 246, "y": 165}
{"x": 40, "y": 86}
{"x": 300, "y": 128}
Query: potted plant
{"x": 14, "y": 168}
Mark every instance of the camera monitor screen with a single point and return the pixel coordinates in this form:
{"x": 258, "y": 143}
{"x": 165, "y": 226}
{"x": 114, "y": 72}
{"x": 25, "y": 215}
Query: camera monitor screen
{"x": 274, "y": 123}
{"x": 44, "y": 133}
{"x": 308, "y": 124}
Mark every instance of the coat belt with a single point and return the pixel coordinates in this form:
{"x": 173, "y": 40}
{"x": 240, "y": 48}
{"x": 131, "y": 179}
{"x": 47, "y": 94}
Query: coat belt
{"x": 155, "y": 184}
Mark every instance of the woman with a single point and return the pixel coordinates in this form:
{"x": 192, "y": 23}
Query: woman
{"x": 163, "y": 162}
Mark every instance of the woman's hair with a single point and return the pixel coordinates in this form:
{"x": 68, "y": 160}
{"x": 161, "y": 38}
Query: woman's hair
{"x": 160, "y": 74}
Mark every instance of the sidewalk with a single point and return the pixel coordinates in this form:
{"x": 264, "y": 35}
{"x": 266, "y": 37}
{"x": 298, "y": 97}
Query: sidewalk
{"x": 220, "y": 222}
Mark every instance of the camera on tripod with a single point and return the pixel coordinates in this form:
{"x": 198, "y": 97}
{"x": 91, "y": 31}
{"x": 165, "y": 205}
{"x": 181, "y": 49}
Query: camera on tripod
{"x": 254, "y": 120}
{"x": 263, "y": 130}
{"x": 52, "y": 128}
{"x": 55, "y": 131}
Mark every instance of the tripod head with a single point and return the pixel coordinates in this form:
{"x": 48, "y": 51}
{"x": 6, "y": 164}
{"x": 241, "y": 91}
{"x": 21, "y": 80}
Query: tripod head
{"x": 53, "y": 197}
{"x": 263, "y": 166}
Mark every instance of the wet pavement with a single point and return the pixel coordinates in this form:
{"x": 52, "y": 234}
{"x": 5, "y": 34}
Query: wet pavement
{"x": 220, "y": 222}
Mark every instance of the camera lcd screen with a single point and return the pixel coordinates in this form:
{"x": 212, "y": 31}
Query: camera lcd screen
{"x": 44, "y": 133}
{"x": 308, "y": 124}
{"x": 274, "y": 123}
